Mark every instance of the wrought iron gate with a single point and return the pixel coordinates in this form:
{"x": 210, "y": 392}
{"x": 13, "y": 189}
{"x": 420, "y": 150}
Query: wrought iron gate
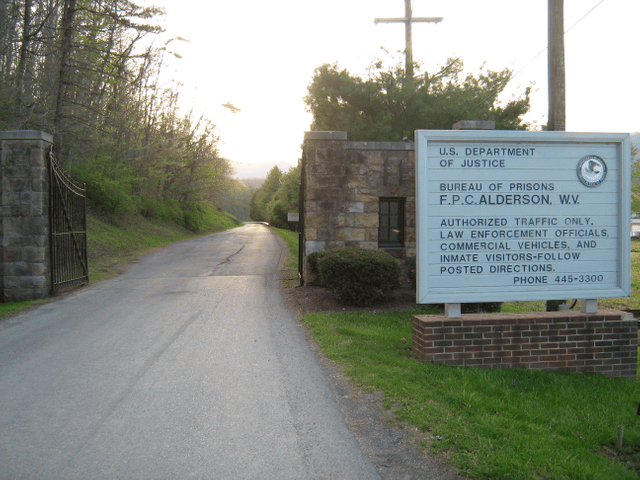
{"x": 68, "y": 227}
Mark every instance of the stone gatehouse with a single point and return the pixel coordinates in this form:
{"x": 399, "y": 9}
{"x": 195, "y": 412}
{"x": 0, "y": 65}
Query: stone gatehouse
{"x": 357, "y": 194}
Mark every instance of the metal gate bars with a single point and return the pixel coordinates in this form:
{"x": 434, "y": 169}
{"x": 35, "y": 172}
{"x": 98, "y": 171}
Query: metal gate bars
{"x": 68, "y": 227}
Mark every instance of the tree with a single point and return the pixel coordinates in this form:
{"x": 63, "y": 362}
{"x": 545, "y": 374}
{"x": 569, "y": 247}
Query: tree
{"x": 76, "y": 69}
{"x": 286, "y": 199}
{"x": 389, "y": 106}
{"x": 263, "y": 195}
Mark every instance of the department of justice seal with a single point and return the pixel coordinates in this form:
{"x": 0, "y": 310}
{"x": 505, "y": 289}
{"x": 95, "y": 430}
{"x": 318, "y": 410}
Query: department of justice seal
{"x": 592, "y": 170}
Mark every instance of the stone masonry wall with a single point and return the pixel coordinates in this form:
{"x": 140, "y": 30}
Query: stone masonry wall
{"x": 343, "y": 183}
{"x": 25, "y": 267}
{"x": 605, "y": 342}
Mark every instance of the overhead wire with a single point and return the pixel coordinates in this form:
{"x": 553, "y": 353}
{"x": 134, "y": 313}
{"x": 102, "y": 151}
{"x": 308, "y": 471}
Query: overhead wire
{"x": 536, "y": 56}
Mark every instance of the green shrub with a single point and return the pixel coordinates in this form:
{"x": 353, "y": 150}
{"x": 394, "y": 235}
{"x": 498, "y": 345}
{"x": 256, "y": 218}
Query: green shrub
{"x": 107, "y": 195}
{"x": 195, "y": 217}
{"x": 314, "y": 258}
{"x": 169, "y": 210}
{"x": 360, "y": 277}
{"x": 278, "y": 215}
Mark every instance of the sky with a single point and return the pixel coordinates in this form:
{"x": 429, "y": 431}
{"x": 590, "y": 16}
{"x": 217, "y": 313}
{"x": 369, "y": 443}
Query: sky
{"x": 260, "y": 56}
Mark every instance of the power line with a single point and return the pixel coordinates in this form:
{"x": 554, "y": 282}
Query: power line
{"x": 538, "y": 54}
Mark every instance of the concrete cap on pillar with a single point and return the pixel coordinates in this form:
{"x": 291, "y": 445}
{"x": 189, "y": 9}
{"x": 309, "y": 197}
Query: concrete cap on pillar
{"x": 325, "y": 135}
{"x": 26, "y": 135}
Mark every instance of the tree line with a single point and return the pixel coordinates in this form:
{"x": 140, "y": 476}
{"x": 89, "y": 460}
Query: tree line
{"x": 278, "y": 195}
{"x": 90, "y": 72}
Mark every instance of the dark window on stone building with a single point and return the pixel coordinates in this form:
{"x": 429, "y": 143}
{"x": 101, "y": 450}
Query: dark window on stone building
{"x": 391, "y": 224}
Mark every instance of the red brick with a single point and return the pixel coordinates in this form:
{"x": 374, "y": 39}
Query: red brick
{"x": 512, "y": 346}
{"x": 521, "y": 353}
{"x": 453, "y": 336}
{"x": 575, "y": 363}
{"x": 557, "y": 351}
{"x": 492, "y": 335}
{"x": 491, "y": 322}
{"x": 484, "y": 354}
{"x": 492, "y": 348}
{"x": 462, "y": 355}
{"x": 473, "y": 362}
{"x": 558, "y": 364}
{"x": 567, "y": 331}
{"x": 442, "y": 330}
{"x": 592, "y": 362}
{"x": 508, "y": 321}
{"x": 566, "y": 340}
{"x": 539, "y": 365}
{"x": 432, "y": 351}
{"x": 431, "y": 337}
{"x": 442, "y": 356}
{"x": 548, "y": 358}
{"x": 557, "y": 338}
{"x": 529, "y": 359}
{"x": 511, "y": 335}
{"x": 567, "y": 357}
{"x": 474, "y": 348}
{"x": 481, "y": 329}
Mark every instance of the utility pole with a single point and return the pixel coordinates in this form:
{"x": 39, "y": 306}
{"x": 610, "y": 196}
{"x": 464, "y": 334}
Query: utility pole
{"x": 408, "y": 20}
{"x": 557, "y": 89}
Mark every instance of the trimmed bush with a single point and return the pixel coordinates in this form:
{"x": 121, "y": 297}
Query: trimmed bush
{"x": 359, "y": 277}
{"x": 313, "y": 259}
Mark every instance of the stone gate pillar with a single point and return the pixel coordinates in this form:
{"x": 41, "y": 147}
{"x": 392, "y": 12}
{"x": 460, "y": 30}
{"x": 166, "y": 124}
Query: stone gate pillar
{"x": 25, "y": 270}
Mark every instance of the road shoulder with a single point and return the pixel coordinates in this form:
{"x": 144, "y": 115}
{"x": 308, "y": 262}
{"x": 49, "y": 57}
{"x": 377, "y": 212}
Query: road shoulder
{"x": 398, "y": 451}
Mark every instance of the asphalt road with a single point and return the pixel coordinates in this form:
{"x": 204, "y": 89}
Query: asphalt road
{"x": 187, "y": 366}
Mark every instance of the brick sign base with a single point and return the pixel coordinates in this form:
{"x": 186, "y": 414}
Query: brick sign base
{"x": 605, "y": 342}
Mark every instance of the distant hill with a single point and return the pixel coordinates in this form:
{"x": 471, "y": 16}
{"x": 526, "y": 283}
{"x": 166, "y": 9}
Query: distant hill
{"x": 258, "y": 170}
{"x": 252, "y": 182}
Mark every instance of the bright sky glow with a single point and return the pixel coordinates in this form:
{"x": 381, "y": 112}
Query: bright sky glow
{"x": 260, "y": 56}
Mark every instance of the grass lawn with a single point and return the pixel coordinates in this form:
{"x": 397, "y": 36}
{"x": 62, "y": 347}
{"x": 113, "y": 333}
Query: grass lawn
{"x": 496, "y": 424}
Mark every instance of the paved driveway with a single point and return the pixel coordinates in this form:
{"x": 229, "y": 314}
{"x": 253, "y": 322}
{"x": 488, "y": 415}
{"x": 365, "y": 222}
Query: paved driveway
{"x": 188, "y": 366}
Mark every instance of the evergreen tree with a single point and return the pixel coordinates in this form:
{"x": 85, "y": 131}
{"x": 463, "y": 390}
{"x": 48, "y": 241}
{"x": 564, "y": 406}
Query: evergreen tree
{"x": 389, "y": 106}
{"x": 264, "y": 195}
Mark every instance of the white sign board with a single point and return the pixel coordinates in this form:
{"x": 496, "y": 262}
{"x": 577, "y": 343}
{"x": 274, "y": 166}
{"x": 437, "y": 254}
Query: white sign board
{"x": 293, "y": 217}
{"x": 513, "y": 216}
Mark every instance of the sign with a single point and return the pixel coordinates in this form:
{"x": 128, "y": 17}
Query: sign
{"x": 293, "y": 217}
{"x": 515, "y": 216}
